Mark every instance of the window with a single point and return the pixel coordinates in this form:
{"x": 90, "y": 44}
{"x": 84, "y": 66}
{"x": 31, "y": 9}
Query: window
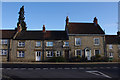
{"x": 66, "y": 44}
{"x": 78, "y": 52}
{"x": 3, "y": 52}
{"x": 49, "y": 53}
{"x": 97, "y": 52}
{"x": 38, "y": 44}
{"x": 21, "y": 44}
{"x": 58, "y": 53}
{"x": 96, "y": 41}
{"x": 77, "y": 41}
{"x": 4, "y": 41}
{"x": 110, "y": 54}
{"x": 110, "y": 46}
{"x": 20, "y": 54}
{"x": 49, "y": 44}
{"x": 118, "y": 46}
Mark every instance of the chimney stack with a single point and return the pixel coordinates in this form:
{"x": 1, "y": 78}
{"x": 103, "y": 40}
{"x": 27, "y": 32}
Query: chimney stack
{"x": 43, "y": 28}
{"x": 67, "y": 21}
{"x": 95, "y": 21}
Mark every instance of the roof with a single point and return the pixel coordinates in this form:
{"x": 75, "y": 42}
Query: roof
{"x": 40, "y": 35}
{"x": 7, "y": 34}
{"x": 112, "y": 39}
{"x": 84, "y": 28}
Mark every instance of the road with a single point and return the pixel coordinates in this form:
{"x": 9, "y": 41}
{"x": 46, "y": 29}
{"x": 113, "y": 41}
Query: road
{"x": 61, "y": 71}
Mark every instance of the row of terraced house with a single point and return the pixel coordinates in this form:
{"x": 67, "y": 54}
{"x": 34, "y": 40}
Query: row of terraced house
{"x": 78, "y": 39}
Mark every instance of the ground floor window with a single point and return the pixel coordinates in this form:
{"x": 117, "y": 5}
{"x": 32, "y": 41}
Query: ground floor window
{"x": 78, "y": 52}
{"x": 97, "y": 52}
{"x": 110, "y": 54}
{"x": 58, "y": 53}
{"x": 3, "y": 52}
{"x": 20, "y": 53}
{"x": 49, "y": 53}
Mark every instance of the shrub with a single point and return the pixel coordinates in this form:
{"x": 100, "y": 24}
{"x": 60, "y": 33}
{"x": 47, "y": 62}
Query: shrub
{"x": 56, "y": 59}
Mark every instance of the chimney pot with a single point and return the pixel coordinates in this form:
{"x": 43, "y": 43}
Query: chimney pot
{"x": 95, "y": 21}
{"x": 43, "y": 28}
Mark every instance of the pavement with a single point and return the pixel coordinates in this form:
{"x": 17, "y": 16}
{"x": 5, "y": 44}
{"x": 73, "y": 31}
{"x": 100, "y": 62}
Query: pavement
{"x": 62, "y": 71}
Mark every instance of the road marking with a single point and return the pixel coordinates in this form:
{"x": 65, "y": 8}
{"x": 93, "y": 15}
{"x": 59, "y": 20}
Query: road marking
{"x": 37, "y": 68}
{"x": 30, "y": 68}
{"x": 74, "y": 68}
{"x": 88, "y": 68}
{"x": 94, "y": 67}
{"x": 108, "y": 67}
{"x": 59, "y": 68}
{"x": 52, "y": 68}
{"x": 15, "y": 68}
{"x": 8, "y": 68}
{"x": 99, "y": 73}
{"x": 81, "y": 68}
{"x": 22, "y": 68}
{"x": 66, "y": 68}
{"x": 45, "y": 68}
{"x": 115, "y": 67}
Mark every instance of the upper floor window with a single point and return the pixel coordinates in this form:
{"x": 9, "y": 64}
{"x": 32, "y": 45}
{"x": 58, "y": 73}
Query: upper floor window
{"x": 3, "y": 52}
{"x": 97, "y": 52}
{"x": 96, "y": 41}
{"x": 21, "y": 44}
{"x": 20, "y": 53}
{"x": 4, "y": 41}
{"x": 38, "y": 44}
{"x": 66, "y": 44}
{"x": 77, "y": 41}
{"x": 49, "y": 44}
{"x": 49, "y": 53}
{"x": 110, "y": 54}
{"x": 58, "y": 53}
{"x": 110, "y": 46}
{"x": 78, "y": 52}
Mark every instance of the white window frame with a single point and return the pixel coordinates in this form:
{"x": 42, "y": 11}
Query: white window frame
{"x": 38, "y": 43}
{"x": 110, "y": 46}
{"x": 76, "y": 41}
{"x": 21, "y": 44}
{"x": 111, "y": 54}
{"x": 95, "y": 42}
{"x": 58, "y": 52}
{"x": 50, "y": 53}
{"x": 49, "y": 44}
{"x": 20, "y": 53}
{"x": 4, "y": 41}
{"x": 118, "y": 46}
{"x": 66, "y": 44}
{"x": 76, "y": 52}
{"x": 95, "y": 50}
{"x": 3, "y": 52}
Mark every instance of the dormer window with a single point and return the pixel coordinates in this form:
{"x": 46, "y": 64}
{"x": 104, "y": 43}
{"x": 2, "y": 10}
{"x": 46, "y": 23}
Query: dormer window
{"x": 110, "y": 46}
{"x": 21, "y": 44}
{"x": 118, "y": 46}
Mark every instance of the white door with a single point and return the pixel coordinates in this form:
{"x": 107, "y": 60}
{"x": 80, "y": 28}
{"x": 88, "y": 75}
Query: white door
{"x": 88, "y": 55}
{"x": 38, "y": 55}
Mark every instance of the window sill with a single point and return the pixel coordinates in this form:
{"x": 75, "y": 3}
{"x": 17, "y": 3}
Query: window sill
{"x": 37, "y": 46}
{"x": 20, "y": 46}
{"x": 20, "y": 57}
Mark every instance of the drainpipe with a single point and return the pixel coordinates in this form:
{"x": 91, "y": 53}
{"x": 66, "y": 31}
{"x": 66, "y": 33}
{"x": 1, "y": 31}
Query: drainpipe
{"x": 8, "y": 51}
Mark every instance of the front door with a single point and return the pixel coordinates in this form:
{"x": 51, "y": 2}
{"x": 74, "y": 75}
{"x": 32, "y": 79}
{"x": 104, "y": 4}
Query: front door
{"x": 67, "y": 54}
{"x": 88, "y": 53}
{"x": 38, "y": 55}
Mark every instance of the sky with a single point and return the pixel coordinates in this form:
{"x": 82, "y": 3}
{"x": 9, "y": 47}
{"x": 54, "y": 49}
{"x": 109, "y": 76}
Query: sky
{"x": 53, "y": 14}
